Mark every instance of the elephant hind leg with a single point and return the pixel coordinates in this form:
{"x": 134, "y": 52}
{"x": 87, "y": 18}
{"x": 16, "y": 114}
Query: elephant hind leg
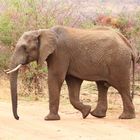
{"x": 74, "y": 85}
{"x": 128, "y": 107}
{"x": 122, "y": 84}
{"x": 101, "y": 108}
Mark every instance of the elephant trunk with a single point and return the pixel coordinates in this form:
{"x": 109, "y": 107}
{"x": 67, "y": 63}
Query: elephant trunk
{"x": 17, "y": 60}
{"x": 13, "y": 85}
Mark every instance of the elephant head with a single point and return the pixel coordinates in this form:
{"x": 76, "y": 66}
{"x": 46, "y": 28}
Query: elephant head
{"x": 32, "y": 46}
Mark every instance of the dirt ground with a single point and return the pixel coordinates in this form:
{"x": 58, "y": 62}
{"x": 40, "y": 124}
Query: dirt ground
{"x": 71, "y": 126}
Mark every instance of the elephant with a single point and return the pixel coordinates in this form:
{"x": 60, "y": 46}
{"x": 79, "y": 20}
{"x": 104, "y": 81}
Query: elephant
{"x": 102, "y": 55}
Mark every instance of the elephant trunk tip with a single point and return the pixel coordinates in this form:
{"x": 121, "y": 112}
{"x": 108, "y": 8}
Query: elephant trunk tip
{"x": 16, "y": 117}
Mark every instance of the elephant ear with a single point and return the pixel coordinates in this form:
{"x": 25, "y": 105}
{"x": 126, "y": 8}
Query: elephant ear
{"x": 47, "y": 44}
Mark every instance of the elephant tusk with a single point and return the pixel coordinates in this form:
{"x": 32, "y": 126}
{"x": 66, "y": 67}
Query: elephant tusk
{"x": 6, "y": 70}
{"x": 15, "y": 69}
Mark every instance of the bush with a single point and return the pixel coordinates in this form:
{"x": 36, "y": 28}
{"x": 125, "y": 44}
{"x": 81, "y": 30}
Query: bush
{"x": 3, "y": 61}
{"x": 33, "y": 81}
{"x": 6, "y": 28}
{"x": 5, "y": 54}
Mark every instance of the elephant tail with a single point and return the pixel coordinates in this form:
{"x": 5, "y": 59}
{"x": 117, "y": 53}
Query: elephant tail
{"x": 133, "y": 75}
{"x": 125, "y": 40}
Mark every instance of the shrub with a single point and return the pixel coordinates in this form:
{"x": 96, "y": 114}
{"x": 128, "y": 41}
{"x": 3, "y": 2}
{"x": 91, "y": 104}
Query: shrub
{"x": 33, "y": 81}
{"x": 4, "y": 58}
{"x": 87, "y": 24}
{"x": 6, "y": 28}
{"x": 4, "y": 61}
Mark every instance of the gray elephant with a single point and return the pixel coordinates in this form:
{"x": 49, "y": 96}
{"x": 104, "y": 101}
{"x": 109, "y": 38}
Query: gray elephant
{"x": 101, "y": 55}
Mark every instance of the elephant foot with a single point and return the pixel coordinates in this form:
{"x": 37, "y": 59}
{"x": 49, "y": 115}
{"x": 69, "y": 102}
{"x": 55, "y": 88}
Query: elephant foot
{"x": 98, "y": 113}
{"x": 52, "y": 117}
{"x": 127, "y": 115}
{"x": 85, "y": 111}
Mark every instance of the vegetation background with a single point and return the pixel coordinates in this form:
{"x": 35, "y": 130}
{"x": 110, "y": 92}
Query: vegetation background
{"x": 18, "y": 16}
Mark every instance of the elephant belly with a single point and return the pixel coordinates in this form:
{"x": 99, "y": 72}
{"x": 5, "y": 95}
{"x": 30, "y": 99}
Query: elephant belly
{"x": 89, "y": 72}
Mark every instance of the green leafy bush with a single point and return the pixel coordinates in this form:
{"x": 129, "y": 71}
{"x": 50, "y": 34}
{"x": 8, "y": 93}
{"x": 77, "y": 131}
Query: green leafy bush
{"x": 6, "y": 28}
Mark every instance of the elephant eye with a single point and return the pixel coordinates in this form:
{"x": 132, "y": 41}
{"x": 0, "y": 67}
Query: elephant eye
{"x": 24, "y": 47}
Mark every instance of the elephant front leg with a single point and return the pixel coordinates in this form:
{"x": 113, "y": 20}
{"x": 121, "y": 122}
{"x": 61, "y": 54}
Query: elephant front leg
{"x": 54, "y": 86}
{"x": 101, "y": 108}
{"x": 74, "y": 85}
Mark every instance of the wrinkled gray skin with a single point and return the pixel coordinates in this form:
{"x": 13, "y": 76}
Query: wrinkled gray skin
{"x": 101, "y": 55}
